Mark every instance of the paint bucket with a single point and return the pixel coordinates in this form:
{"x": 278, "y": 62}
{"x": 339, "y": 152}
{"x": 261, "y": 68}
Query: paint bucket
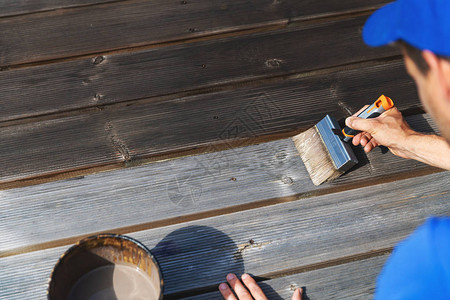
{"x": 106, "y": 266}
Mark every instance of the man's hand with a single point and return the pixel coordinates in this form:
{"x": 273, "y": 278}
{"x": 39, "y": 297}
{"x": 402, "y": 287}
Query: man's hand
{"x": 250, "y": 291}
{"x": 389, "y": 129}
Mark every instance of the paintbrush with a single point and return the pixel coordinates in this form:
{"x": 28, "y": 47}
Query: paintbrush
{"x": 325, "y": 148}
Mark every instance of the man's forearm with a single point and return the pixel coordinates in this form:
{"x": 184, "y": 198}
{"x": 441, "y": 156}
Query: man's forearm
{"x": 430, "y": 149}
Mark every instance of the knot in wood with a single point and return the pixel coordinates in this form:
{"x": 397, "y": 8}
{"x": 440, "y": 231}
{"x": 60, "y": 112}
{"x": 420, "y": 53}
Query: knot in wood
{"x": 98, "y": 97}
{"x": 273, "y": 63}
{"x": 293, "y": 287}
{"x": 98, "y": 60}
{"x": 287, "y": 180}
{"x": 281, "y": 155}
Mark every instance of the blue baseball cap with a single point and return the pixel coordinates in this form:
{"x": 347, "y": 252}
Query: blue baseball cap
{"x": 424, "y": 24}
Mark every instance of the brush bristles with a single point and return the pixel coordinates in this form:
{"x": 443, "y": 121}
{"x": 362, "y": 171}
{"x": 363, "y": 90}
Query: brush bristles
{"x": 315, "y": 156}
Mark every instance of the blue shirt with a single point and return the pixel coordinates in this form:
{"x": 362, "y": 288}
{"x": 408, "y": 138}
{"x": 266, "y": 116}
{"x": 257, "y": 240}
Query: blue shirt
{"x": 419, "y": 267}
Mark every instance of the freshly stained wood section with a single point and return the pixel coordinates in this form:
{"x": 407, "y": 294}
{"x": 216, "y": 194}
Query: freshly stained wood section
{"x": 312, "y": 232}
{"x": 117, "y": 78}
{"x": 214, "y": 120}
{"x": 19, "y": 7}
{"x": 353, "y": 280}
{"x": 189, "y": 187}
{"x": 132, "y": 23}
{"x": 49, "y": 147}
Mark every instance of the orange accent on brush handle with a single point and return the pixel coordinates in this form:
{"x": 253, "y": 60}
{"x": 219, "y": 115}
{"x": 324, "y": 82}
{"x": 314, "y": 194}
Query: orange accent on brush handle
{"x": 345, "y": 134}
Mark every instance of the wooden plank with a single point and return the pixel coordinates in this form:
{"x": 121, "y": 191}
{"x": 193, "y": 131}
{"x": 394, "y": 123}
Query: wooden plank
{"x": 19, "y": 7}
{"x": 286, "y": 237}
{"x": 189, "y": 187}
{"x": 133, "y": 23}
{"x": 221, "y": 119}
{"x": 354, "y": 280}
{"x": 57, "y": 146}
{"x": 117, "y": 78}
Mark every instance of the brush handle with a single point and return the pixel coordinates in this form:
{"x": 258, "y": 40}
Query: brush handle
{"x": 381, "y": 105}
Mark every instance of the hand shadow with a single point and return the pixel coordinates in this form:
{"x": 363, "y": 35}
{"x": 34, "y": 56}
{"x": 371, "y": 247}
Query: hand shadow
{"x": 271, "y": 294}
{"x": 195, "y": 260}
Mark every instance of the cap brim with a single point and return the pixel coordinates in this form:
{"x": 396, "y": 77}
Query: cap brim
{"x": 380, "y": 29}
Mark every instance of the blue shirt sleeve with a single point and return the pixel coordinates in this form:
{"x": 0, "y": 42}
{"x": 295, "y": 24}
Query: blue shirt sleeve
{"x": 419, "y": 267}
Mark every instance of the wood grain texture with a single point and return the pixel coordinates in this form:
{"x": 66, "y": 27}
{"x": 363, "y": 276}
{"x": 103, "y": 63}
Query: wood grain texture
{"x": 57, "y": 146}
{"x": 117, "y": 78}
{"x": 311, "y": 231}
{"x": 229, "y": 118}
{"x": 173, "y": 190}
{"x": 18, "y": 7}
{"x": 132, "y": 23}
{"x": 354, "y": 280}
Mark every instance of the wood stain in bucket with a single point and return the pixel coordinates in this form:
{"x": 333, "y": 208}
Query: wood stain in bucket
{"x": 120, "y": 282}
{"x": 106, "y": 266}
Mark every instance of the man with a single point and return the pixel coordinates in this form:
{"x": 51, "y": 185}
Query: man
{"x": 419, "y": 267}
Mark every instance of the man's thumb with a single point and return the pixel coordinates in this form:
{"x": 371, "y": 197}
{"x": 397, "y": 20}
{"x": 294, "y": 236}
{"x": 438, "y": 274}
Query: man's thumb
{"x": 360, "y": 124}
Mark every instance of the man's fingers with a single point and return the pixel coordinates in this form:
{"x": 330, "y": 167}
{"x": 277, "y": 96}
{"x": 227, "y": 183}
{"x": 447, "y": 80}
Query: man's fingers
{"x": 370, "y": 145}
{"x": 362, "y": 138}
{"x": 238, "y": 287}
{"x": 357, "y": 139}
{"x": 365, "y": 139}
{"x": 253, "y": 287}
{"x": 297, "y": 294}
{"x": 226, "y": 292}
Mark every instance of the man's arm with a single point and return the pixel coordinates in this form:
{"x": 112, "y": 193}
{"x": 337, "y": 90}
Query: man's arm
{"x": 430, "y": 149}
{"x": 391, "y": 130}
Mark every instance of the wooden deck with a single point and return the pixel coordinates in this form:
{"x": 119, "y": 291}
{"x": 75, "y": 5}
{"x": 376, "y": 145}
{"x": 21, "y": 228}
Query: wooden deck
{"x": 169, "y": 121}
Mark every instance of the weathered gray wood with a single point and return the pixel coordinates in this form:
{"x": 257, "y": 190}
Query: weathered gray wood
{"x": 171, "y": 189}
{"x": 17, "y": 7}
{"x": 131, "y": 23}
{"x": 231, "y": 118}
{"x": 117, "y": 78}
{"x": 313, "y": 230}
{"x": 285, "y": 237}
{"x": 354, "y": 280}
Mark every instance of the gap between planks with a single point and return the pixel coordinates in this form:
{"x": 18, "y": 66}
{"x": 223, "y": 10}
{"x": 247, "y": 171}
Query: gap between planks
{"x": 157, "y": 45}
{"x": 217, "y": 212}
{"x": 208, "y": 35}
{"x": 93, "y": 83}
{"x": 212, "y": 147}
{"x": 251, "y": 83}
{"x": 311, "y": 233}
{"x": 289, "y": 272}
{"x": 374, "y": 174}
{"x": 268, "y": 112}
{"x": 21, "y": 12}
{"x": 352, "y": 280}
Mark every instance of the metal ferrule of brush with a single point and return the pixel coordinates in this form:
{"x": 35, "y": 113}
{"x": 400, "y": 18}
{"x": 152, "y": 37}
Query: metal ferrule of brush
{"x": 377, "y": 108}
{"x": 341, "y": 153}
